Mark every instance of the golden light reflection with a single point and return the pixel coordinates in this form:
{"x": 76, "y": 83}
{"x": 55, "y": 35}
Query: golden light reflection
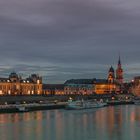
{"x": 109, "y": 123}
{"x": 132, "y": 116}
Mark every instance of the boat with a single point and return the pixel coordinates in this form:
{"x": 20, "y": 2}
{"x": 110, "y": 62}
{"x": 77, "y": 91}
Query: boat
{"x": 22, "y": 109}
{"x": 81, "y": 104}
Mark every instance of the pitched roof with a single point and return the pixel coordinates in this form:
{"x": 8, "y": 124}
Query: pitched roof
{"x": 85, "y": 81}
{"x": 79, "y": 81}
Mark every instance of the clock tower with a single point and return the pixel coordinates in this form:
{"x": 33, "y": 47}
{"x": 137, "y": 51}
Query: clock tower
{"x": 111, "y": 75}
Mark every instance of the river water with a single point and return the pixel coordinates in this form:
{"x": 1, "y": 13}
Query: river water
{"x": 108, "y": 123}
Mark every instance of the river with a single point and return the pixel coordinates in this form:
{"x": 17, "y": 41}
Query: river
{"x": 108, "y": 123}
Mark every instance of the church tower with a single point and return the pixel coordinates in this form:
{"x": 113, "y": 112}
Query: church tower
{"x": 111, "y": 75}
{"x": 119, "y": 72}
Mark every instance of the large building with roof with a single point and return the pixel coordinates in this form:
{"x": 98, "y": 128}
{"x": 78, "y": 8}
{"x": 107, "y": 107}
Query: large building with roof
{"x": 89, "y": 86}
{"x": 79, "y": 86}
{"x": 16, "y": 85}
{"x": 112, "y": 84}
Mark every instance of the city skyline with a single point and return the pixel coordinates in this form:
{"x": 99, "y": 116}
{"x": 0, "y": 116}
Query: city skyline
{"x": 115, "y": 69}
{"x": 63, "y": 39}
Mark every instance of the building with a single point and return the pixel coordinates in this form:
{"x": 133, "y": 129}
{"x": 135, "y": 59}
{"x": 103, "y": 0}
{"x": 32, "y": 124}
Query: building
{"x": 79, "y": 86}
{"x": 135, "y": 86}
{"x": 111, "y": 75}
{"x": 107, "y": 86}
{"x": 104, "y": 86}
{"x": 89, "y": 86}
{"x": 15, "y": 85}
{"x": 53, "y": 89}
{"x": 97, "y": 86}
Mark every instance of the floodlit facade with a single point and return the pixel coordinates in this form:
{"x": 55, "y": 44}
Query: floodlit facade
{"x": 15, "y": 85}
{"x": 105, "y": 88}
{"x": 135, "y": 88}
{"x": 89, "y": 86}
{"x": 96, "y": 86}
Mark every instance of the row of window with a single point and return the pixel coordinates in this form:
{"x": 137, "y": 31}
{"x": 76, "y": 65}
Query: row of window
{"x": 8, "y": 87}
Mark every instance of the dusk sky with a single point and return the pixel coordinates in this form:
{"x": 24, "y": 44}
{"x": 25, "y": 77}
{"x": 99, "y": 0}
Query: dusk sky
{"x": 67, "y": 39}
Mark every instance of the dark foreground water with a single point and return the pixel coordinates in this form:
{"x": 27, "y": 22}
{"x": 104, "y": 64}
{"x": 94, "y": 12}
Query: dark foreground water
{"x": 108, "y": 123}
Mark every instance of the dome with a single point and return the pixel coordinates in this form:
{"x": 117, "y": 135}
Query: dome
{"x": 13, "y": 75}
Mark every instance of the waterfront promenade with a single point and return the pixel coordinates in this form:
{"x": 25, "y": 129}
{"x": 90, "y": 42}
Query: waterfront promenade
{"x": 13, "y": 104}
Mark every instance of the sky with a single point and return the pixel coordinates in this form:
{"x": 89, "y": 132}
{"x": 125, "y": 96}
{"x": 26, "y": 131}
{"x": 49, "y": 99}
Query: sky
{"x": 67, "y": 39}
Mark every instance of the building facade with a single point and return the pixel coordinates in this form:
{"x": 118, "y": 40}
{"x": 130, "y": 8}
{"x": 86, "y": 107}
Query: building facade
{"x": 15, "y": 85}
{"x": 89, "y": 86}
{"x": 135, "y": 86}
{"x": 103, "y": 86}
{"x": 79, "y": 86}
{"x": 97, "y": 86}
{"x": 111, "y": 75}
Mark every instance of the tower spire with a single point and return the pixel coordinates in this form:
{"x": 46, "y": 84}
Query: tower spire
{"x": 119, "y": 61}
{"x": 111, "y": 75}
{"x": 119, "y": 72}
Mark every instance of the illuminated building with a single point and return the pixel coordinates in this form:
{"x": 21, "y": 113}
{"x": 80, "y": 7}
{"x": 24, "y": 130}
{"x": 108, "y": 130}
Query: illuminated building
{"x": 135, "y": 87}
{"x": 91, "y": 86}
{"x": 15, "y": 85}
{"x": 79, "y": 86}
{"x": 111, "y": 75}
{"x": 104, "y": 87}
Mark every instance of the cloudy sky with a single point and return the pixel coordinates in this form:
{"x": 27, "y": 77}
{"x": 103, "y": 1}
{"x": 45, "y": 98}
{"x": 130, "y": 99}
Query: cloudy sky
{"x": 64, "y": 39}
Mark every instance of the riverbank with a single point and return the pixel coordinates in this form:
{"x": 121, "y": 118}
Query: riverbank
{"x": 20, "y": 99}
{"x": 14, "y": 108}
{"x": 12, "y": 104}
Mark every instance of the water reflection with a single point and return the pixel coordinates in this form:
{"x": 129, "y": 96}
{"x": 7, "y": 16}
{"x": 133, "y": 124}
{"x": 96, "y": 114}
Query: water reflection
{"x": 109, "y": 123}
